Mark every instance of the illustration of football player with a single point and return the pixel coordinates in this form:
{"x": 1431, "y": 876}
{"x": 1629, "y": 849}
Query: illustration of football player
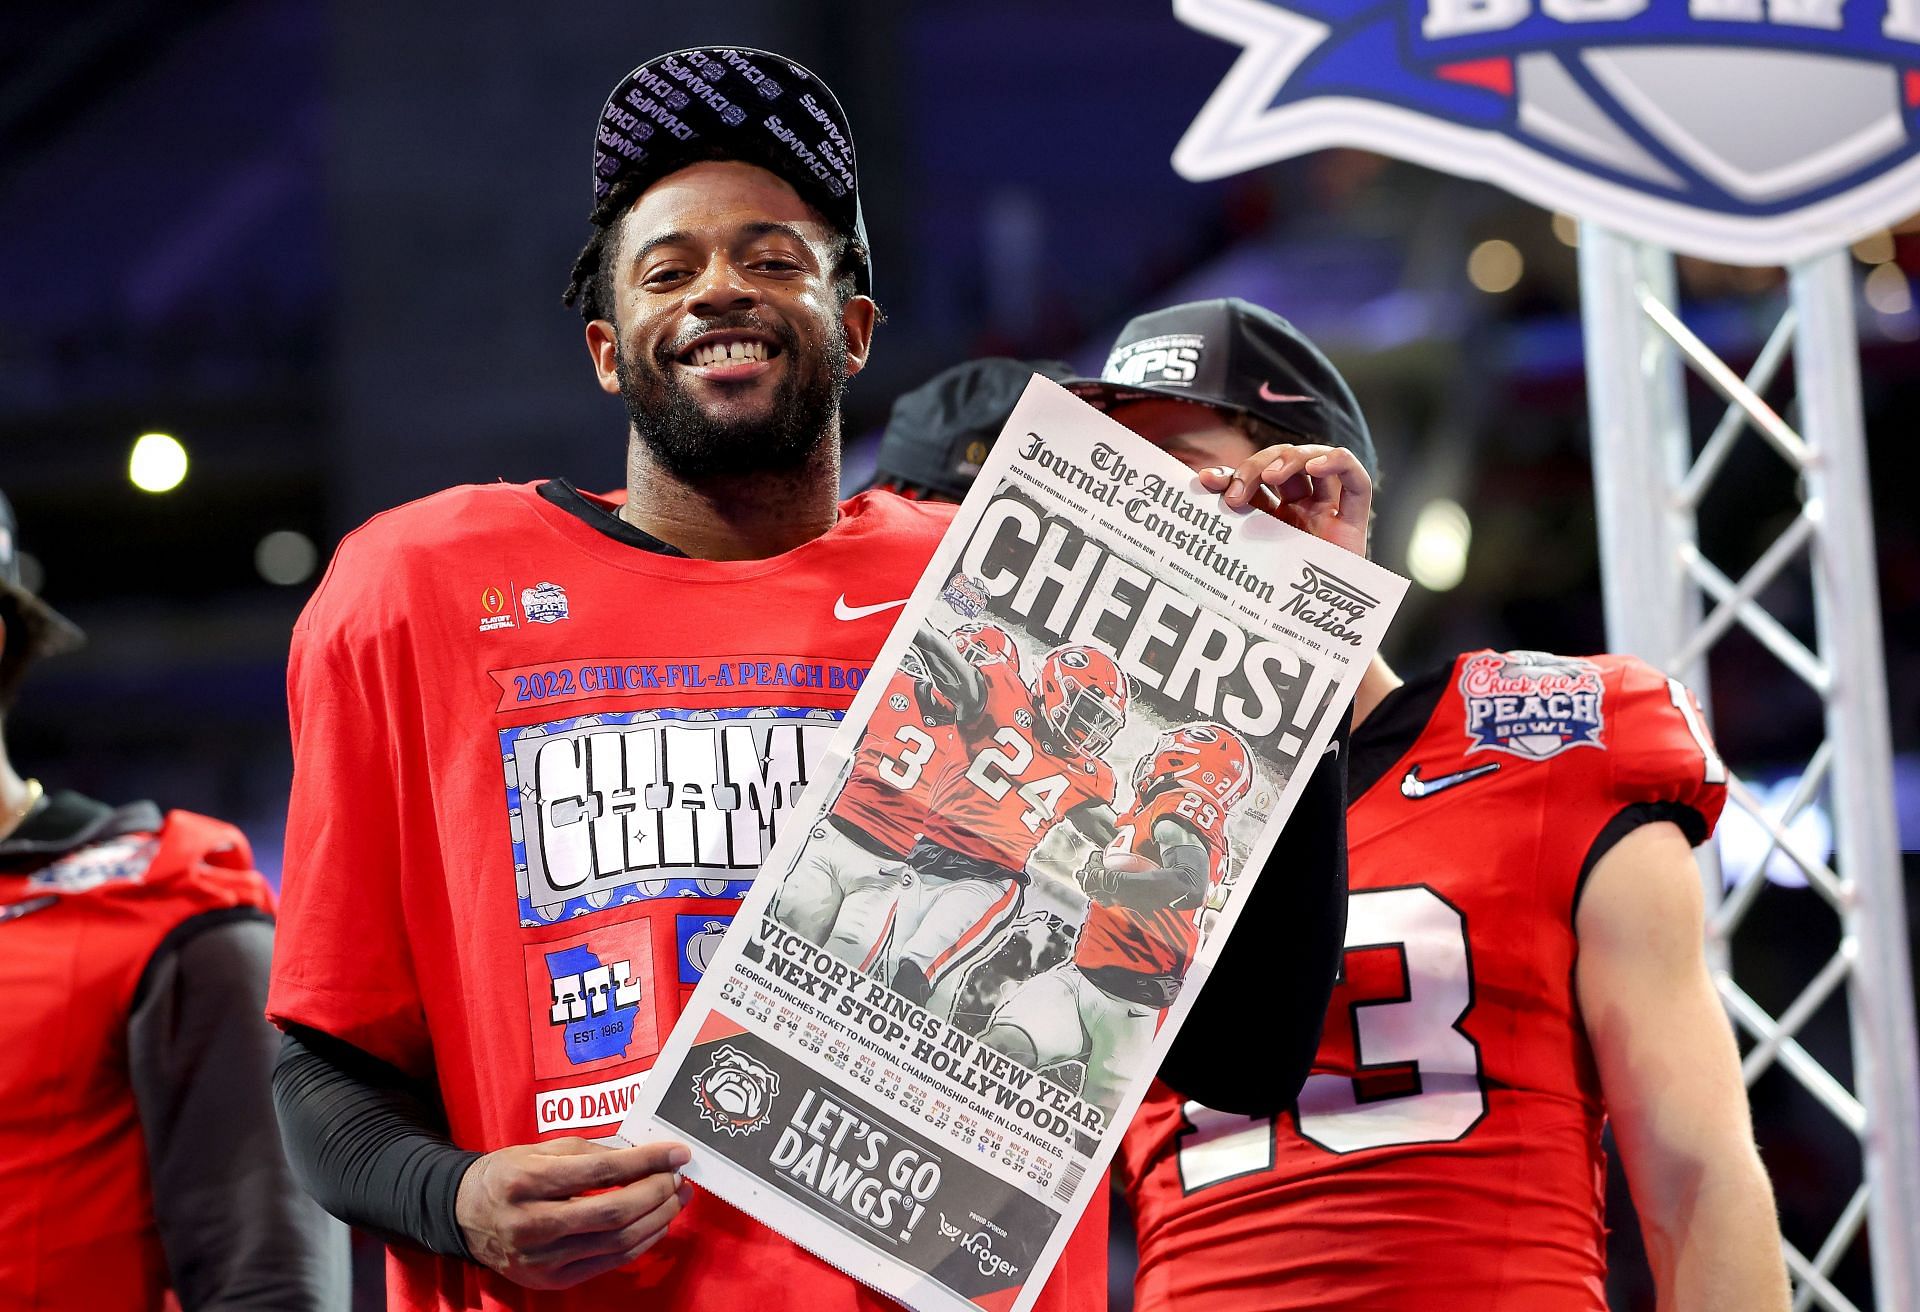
{"x": 839, "y": 893}
{"x": 1031, "y": 757}
{"x": 980, "y": 642}
{"x": 1145, "y": 894}
{"x": 1039, "y": 940}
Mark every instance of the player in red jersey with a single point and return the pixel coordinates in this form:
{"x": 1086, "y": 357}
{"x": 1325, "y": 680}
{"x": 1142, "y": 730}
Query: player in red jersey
{"x": 140, "y": 1164}
{"x": 542, "y": 741}
{"x": 1101, "y": 1006}
{"x": 1030, "y": 758}
{"x": 1523, "y": 964}
{"x": 566, "y": 732}
{"x": 840, "y": 893}
{"x": 1184, "y": 791}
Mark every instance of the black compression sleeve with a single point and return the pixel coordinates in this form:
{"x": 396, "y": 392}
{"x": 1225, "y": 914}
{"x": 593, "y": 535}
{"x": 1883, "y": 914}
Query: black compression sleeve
{"x": 1175, "y": 884}
{"x": 368, "y": 1142}
{"x": 1249, "y": 1041}
{"x": 237, "y": 1230}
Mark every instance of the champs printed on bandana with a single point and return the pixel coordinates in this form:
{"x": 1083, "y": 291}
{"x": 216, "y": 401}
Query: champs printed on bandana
{"x": 1532, "y": 704}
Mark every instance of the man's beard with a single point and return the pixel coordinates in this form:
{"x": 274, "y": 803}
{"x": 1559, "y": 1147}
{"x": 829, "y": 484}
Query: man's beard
{"x": 694, "y": 446}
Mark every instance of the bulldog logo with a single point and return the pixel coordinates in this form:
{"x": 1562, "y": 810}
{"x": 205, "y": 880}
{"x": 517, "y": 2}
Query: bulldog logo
{"x": 734, "y": 1094}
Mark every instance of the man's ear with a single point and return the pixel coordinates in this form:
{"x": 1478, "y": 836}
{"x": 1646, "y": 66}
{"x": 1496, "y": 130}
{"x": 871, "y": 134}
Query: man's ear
{"x": 603, "y": 344}
{"x": 858, "y": 317}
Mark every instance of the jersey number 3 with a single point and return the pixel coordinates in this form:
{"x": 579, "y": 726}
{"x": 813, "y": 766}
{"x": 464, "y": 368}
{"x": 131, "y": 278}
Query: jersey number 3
{"x": 1438, "y": 1097}
{"x": 905, "y": 772}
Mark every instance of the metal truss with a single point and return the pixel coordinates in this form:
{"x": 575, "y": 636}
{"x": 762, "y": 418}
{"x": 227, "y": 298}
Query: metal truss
{"x": 1668, "y": 603}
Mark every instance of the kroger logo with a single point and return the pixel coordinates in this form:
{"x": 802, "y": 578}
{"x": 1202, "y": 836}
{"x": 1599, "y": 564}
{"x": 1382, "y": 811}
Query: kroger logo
{"x": 1758, "y": 131}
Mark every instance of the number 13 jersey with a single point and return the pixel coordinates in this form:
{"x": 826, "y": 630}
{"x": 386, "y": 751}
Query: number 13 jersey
{"x": 1445, "y": 1152}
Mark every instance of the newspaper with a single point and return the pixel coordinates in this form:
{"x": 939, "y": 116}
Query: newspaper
{"x": 917, "y": 1047}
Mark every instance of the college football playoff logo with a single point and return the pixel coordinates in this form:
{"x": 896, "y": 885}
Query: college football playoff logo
{"x": 1737, "y": 130}
{"x": 734, "y": 1094}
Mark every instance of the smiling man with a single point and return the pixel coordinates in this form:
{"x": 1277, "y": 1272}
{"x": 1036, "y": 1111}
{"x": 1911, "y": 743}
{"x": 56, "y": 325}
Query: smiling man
{"x": 544, "y": 740}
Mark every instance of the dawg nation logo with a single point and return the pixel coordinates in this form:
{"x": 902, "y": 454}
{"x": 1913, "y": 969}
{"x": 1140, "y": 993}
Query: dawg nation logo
{"x": 1328, "y": 602}
{"x": 1531, "y": 704}
{"x": 1756, "y": 131}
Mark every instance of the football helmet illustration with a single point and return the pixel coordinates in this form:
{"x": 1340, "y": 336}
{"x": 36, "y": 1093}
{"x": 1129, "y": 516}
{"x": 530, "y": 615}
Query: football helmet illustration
{"x": 1209, "y": 758}
{"x": 980, "y": 642}
{"x": 1083, "y": 695}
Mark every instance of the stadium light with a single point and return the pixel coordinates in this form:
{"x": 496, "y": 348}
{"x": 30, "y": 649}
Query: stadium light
{"x": 1495, "y": 266}
{"x": 1874, "y": 248}
{"x": 1887, "y": 290}
{"x": 158, "y": 463}
{"x": 285, "y": 557}
{"x": 1437, "y": 552}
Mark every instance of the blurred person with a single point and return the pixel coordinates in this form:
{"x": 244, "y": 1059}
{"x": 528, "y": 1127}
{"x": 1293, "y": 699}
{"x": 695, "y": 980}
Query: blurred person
{"x": 486, "y": 689}
{"x": 140, "y": 1164}
{"x": 1524, "y": 958}
{"x": 938, "y": 435}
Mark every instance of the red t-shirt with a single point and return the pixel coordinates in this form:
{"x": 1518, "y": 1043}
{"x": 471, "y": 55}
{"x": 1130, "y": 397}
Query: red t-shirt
{"x": 909, "y": 742}
{"x": 535, "y": 768}
{"x": 1007, "y": 789}
{"x": 1445, "y": 1153}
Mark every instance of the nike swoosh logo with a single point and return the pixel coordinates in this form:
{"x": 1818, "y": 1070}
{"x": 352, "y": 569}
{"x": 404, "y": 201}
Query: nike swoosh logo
{"x": 842, "y": 611}
{"x": 1268, "y": 394}
{"x": 1413, "y": 786}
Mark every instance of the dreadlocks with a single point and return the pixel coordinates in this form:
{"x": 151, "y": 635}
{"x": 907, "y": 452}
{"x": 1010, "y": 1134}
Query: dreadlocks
{"x": 590, "y": 285}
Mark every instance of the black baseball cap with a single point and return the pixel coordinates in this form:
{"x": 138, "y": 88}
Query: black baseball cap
{"x": 1232, "y": 355}
{"x": 733, "y": 102}
{"x": 48, "y": 632}
{"x": 938, "y": 434}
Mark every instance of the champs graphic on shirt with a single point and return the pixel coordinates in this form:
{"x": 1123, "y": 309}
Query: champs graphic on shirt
{"x": 625, "y": 806}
